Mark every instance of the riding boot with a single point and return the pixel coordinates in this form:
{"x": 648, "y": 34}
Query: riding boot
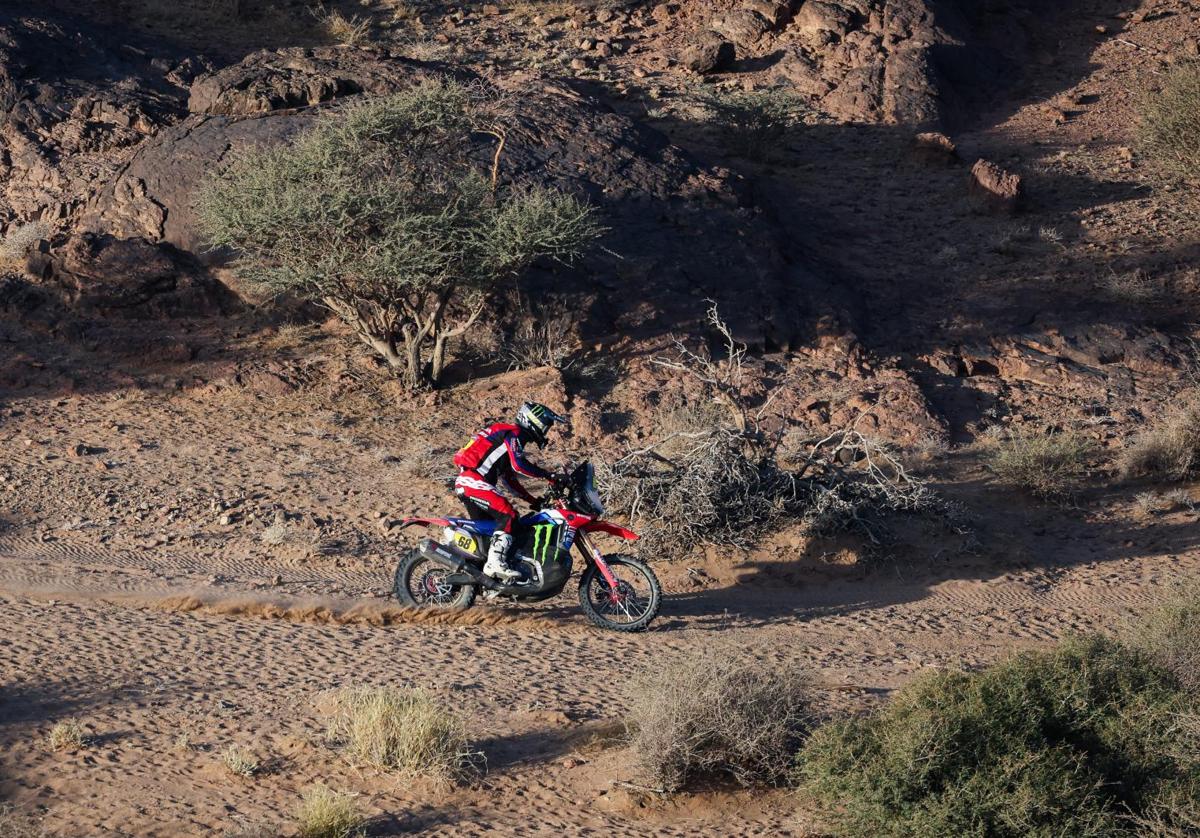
{"x": 497, "y": 560}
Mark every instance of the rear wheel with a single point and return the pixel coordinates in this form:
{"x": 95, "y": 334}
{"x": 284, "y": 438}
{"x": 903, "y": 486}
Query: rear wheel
{"x": 421, "y": 583}
{"x": 633, "y": 604}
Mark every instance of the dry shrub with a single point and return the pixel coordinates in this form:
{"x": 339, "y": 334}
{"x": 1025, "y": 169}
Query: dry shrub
{"x": 715, "y": 476}
{"x": 1048, "y": 466}
{"x": 1170, "y": 127}
{"x": 542, "y": 335}
{"x": 718, "y": 711}
{"x": 1131, "y": 286}
{"x": 1170, "y": 448}
{"x": 325, "y": 813}
{"x": 1080, "y": 740}
{"x": 20, "y": 239}
{"x": 1170, "y": 636}
{"x": 15, "y": 824}
{"x": 401, "y": 730}
{"x": 755, "y": 123}
{"x": 67, "y": 735}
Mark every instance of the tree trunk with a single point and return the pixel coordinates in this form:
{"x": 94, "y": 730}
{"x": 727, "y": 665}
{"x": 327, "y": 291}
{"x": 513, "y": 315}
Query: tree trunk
{"x": 439, "y": 360}
{"x": 412, "y": 374}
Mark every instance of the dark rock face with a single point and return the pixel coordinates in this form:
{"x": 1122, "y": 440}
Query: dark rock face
{"x": 77, "y": 96}
{"x": 108, "y": 275}
{"x": 152, "y": 196}
{"x": 295, "y": 78}
{"x": 908, "y": 62}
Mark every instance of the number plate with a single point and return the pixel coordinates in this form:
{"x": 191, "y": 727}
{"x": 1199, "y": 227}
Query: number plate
{"x": 464, "y": 542}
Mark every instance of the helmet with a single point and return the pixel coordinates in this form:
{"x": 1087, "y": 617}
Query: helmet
{"x": 537, "y": 419}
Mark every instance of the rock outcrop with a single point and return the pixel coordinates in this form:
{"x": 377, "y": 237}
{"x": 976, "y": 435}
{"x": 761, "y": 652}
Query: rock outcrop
{"x": 76, "y": 97}
{"x": 678, "y": 231}
{"x": 908, "y": 62}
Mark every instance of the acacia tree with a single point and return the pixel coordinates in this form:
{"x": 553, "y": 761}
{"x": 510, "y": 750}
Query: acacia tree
{"x": 380, "y": 213}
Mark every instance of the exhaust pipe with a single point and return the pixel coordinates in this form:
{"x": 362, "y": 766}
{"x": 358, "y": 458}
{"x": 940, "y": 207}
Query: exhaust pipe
{"x": 451, "y": 560}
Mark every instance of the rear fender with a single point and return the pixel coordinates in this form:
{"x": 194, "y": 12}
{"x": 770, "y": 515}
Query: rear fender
{"x": 426, "y": 522}
{"x": 611, "y": 529}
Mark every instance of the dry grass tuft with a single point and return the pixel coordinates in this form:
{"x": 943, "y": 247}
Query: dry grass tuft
{"x": 350, "y": 31}
{"x": 67, "y": 735}
{"x": 1131, "y": 286}
{"x": 239, "y": 761}
{"x": 1161, "y": 503}
{"x": 250, "y": 829}
{"x": 401, "y": 730}
{"x": 1170, "y": 448}
{"x": 1170, "y": 128}
{"x": 325, "y": 813}
{"x": 718, "y": 711}
{"x": 1048, "y": 466}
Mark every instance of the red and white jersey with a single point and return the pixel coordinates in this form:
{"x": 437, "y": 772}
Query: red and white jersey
{"x": 496, "y": 455}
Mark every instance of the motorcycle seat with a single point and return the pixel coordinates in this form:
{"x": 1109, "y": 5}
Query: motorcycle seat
{"x": 481, "y": 528}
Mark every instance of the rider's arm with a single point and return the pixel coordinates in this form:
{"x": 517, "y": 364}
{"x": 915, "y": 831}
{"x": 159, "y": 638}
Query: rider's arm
{"x": 516, "y": 458}
{"x": 520, "y": 491}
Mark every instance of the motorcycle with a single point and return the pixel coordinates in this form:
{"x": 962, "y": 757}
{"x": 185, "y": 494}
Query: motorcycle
{"x": 616, "y": 592}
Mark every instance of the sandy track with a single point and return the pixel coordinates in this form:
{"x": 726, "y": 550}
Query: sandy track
{"x": 108, "y": 637}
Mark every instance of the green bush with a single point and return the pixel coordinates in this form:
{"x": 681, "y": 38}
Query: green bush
{"x": 1170, "y": 126}
{"x": 1079, "y": 741}
{"x": 380, "y": 213}
{"x": 755, "y": 123}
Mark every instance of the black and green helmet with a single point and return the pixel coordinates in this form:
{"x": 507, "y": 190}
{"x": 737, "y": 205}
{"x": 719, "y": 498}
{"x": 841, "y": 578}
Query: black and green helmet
{"x": 538, "y": 419}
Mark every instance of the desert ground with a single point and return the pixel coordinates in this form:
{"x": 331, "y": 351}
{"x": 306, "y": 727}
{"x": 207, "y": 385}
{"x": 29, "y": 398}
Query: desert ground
{"x": 200, "y": 488}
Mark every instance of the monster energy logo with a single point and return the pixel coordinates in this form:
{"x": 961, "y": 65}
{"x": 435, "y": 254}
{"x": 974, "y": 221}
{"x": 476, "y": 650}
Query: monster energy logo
{"x": 543, "y": 539}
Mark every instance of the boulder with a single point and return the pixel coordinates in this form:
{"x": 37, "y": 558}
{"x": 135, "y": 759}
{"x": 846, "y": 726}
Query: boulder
{"x": 994, "y": 190}
{"x": 707, "y": 52}
{"x": 743, "y": 27}
{"x": 934, "y": 148}
{"x": 77, "y": 94}
{"x": 775, "y": 12}
{"x": 818, "y": 16}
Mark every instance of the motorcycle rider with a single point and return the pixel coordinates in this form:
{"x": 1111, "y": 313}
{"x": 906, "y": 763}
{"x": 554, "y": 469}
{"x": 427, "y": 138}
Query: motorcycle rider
{"x": 496, "y": 455}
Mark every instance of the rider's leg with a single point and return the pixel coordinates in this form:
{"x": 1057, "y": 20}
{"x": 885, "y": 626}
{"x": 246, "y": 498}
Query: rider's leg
{"x": 495, "y": 506}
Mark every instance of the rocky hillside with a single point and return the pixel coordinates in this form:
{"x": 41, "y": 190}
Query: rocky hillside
{"x": 829, "y": 253}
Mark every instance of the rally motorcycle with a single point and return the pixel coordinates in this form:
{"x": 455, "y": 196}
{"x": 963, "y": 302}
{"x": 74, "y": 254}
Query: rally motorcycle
{"x": 617, "y": 592}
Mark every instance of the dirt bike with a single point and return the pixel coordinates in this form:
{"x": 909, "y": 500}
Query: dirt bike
{"x": 616, "y": 592}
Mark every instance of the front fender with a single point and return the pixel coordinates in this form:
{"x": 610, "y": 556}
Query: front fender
{"x": 611, "y": 529}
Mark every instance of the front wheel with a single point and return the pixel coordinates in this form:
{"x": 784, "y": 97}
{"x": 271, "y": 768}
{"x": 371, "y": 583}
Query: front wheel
{"x": 421, "y": 583}
{"x": 633, "y": 604}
